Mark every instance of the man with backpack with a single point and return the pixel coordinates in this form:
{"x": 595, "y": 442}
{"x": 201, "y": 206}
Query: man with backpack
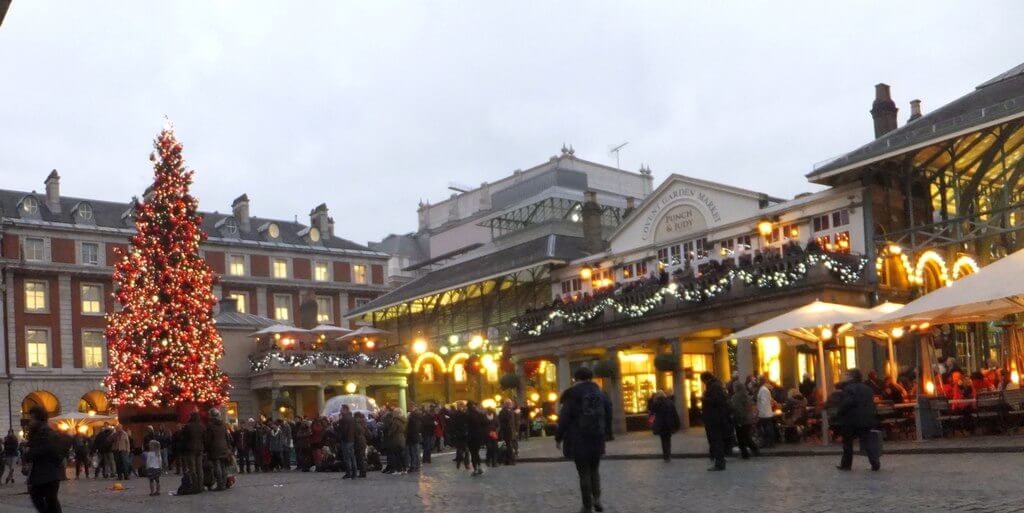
{"x": 584, "y": 425}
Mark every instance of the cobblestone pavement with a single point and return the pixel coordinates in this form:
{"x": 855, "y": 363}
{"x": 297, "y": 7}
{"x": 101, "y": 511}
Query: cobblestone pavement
{"x": 926, "y": 483}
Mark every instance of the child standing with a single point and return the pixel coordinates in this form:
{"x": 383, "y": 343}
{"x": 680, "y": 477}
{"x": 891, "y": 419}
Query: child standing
{"x": 154, "y": 466}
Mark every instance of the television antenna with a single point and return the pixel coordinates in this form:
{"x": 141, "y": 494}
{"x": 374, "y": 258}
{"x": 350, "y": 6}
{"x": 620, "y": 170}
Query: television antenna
{"x": 616, "y": 151}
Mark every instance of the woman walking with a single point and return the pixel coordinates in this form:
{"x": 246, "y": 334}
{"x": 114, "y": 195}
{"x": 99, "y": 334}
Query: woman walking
{"x": 477, "y": 431}
{"x": 743, "y": 418}
{"x": 457, "y": 430}
{"x": 665, "y": 422}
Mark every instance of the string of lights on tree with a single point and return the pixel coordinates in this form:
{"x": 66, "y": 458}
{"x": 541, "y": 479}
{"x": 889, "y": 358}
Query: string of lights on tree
{"x": 767, "y": 278}
{"x": 163, "y": 344}
{"x": 319, "y": 358}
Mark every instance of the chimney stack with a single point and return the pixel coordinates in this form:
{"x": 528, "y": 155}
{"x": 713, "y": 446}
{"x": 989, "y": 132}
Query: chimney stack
{"x": 592, "y": 239}
{"x": 883, "y": 111}
{"x": 915, "y": 110}
{"x": 240, "y": 209}
{"x": 53, "y": 192}
{"x": 318, "y": 217}
{"x": 630, "y": 207}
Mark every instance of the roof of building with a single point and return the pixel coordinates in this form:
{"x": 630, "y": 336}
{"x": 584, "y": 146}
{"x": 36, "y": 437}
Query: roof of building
{"x": 112, "y": 215}
{"x": 548, "y": 249}
{"x": 993, "y": 101}
{"x": 233, "y": 319}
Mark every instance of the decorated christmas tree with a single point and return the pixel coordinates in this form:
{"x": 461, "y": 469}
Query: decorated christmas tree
{"x": 163, "y": 344}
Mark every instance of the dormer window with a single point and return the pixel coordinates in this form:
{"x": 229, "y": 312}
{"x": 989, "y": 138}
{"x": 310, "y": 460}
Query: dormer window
{"x": 85, "y": 212}
{"x": 314, "y": 235}
{"x": 30, "y": 206}
{"x": 228, "y": 227}
{"x": 311, "y": 235}
{"x": 273, "y": 231}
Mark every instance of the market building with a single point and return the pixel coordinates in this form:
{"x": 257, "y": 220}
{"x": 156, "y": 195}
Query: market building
{"x": 483, "y": 256}
{"x": 56, "y": 265}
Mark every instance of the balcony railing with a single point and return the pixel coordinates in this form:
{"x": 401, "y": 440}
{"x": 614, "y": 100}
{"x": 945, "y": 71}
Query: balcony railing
{"x": 680, "y": 292}
{"x": 285, "y": 359}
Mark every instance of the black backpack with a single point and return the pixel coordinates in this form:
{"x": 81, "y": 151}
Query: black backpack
{"x": 592, "y": 416}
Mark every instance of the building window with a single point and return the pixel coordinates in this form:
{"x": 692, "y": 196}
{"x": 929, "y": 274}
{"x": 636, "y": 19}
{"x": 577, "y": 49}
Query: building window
{"x": 92, "y": 299}
{"x": 30, "y": 205}
{"x": 94, "y": 348}
{"x": 696, "y": 249}
{"x": 677, "y": 254}
{"x": 324, "y": 306}
{"x": 842, "y": 243}
{"x": 743, "y": 242}
{"x": 459, "y": 373}
{"x": 282, "y": 307}
{"x": 637, "y": 270}
{"x": 820, "y": 223}
{"x": 241, "y": 298}
{"x": 280, "y": 268}
{"x": 792, "y": 232}
{"x": 663, "y": 255}
{"x": 840, "y": 218}
{"x": 362, "y": 301}
{"x": 37, "y": 345}
{"x": 236, "y": 265}
{"x": 34, "y": 249}
{"x": 427, "y": 372}
{"x": 359, "y": 273}
{"x": 320, "y": 272}
{"x": 571, "y": 286}
{"x": 35, "y": 296}
{"x": 90, "y": 253}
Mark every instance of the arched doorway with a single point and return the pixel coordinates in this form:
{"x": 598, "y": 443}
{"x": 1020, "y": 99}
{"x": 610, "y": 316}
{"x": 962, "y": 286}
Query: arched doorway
{"x": 94, "y": 402}
{"x": 41, "y": 398}
{"x": 930, "y": 272}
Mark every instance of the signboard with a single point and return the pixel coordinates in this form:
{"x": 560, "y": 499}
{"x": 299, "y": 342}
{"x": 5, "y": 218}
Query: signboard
{"x": 679, "y": 221}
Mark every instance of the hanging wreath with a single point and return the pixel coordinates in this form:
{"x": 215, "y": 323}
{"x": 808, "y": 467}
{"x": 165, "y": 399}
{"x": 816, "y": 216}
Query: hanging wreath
{"x": 666, "y": 362}
{"x": 510, "y": 382}
{"x": 604, "y": 369}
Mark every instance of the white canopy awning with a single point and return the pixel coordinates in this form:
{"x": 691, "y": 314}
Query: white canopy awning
{"x": 328, "y": 329}
{"x": 365, "y": 331}
{"x": 804, "y": 324}
{"x": 281, "y": 329}
{"x": 993, "y": 292}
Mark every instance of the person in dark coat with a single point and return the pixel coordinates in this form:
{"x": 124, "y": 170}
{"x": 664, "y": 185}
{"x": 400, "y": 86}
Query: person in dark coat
{"x": 218, "y": 448}
{"x": 742, "y": 409}
{"x": 82, "y": 447}
{"x": 46, "y": 452}
{"x": 427, "y": 428}
{"x": 476, "y": 423}
{"x": 716, "y": 416}
{"x": 413, "y": 438}
{"x": 243, "y": 447}
{"x": 666, "y": 422}
{"x": 857, "y": 417}
{"x": 345, "y": 431}
{"x": 457, "y": 431}
{"x": 359, "y": 436}
{"x": 194, "y": 441}
{"x": 507, "y": 430}
{"x": 584, "y": 425}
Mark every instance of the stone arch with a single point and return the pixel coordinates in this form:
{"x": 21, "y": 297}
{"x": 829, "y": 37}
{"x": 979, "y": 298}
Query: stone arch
{"x": 94, "y": 401}
{"x": 963, "y": 266}
{"x": 43, "y": 398}
{"x": 930, "y": 272}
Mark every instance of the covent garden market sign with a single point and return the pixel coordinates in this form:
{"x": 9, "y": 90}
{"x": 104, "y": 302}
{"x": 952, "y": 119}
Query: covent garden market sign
{"x": 677, "y": 213}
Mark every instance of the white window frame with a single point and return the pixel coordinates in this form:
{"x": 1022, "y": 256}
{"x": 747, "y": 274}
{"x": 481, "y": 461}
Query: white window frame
{"x": 278, "y": 308}
{"x": 231, "y": 265}
{"x": 45, "y": 292}
{"x": 99, "y": 299}
{"x": 241, "y": 300}
{"x": 359, "y": 277}
{"x": 326, "y": 268}
{"x": 274, "y": 267}
{"x": 29, "y": 352}
{"x": 41, "y": 257}
{"x": 101, "y": 344}
{"x": 81, "y": 253}
{"x": 328, "y": 316}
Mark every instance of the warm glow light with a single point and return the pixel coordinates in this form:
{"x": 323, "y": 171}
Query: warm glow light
{"x": 453, "y": 339}
{"x": 476, "y": 342}
{"x": 826, "y": 333}
{"x": 350, "y": 388}
{"x": 91, "y": 413}
{"x": 634, "y": 357}
{"x": 63, "y": 426}
{"x": 419, "y": 346}
{"x": 552, "y": 397}
{"x": 764, "y": 227}
{"x": 924, "y": 326}
{"x": 370, "y": 344}
{"x": 553, "y": 417}
{"x": 497, "y": 397}
{"x": 277, "y": 336}
{"x": 282, "y": 409}
{"x": 535, "y": 397}
{"x": 929, "y": 388}
{"x": 586, "y": 273}
{"x": 1015, "y": 378}
{"x": 83, "y": 429}
{"x": 443, "y": 350}
{"x": 488, "y": 403}
{"x": 897, "y": 332}
{"x": 894, "y": 249}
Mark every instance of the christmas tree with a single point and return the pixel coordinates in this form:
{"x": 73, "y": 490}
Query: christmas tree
{"x": 163, "y": 344}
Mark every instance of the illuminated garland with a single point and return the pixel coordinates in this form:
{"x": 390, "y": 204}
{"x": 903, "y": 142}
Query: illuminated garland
{"x": 635, "y": 308}
{"x": 337, "y": 361}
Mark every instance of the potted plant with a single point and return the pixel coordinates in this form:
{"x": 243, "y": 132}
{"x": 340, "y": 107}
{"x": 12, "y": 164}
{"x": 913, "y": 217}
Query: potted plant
{"x": 603, "y": 369}
{"x": 510, "y": 382}
{"x": 666, "y": 362}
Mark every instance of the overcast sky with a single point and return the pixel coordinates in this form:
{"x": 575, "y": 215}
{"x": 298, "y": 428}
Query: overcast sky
{"x": 371, "y": 106}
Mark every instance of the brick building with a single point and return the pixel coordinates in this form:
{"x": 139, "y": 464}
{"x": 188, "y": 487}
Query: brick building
{"x": 56, "y": 258}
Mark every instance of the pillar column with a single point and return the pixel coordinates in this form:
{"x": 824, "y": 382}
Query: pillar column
{"x": 448, "y": 388}
{"x": 402, "y": 399}
{"x": 480, "y": 386}
{"x": 320, "y": 400}
{"x": 679, "y": 384}
{"x": 744, "y": 359}
{"x": 521, "y": 390}
{"x": 300, "y": 407}
{"x": 275, "y": 394}
{"x": 615, "y": 394}
{"x": 564, "y": 379}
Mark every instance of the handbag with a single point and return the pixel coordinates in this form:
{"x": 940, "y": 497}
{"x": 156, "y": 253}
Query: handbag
{"x": 650, "y": 420}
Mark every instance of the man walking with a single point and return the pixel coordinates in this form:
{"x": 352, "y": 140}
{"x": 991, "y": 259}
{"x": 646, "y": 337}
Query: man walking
{"x": 218, "y": 448}
{"x": 427, "y": 425}
{"x": 507, "y": 429}
{"x": 715, "y": 413}
{"x": 584, "y": 424}
{"x": 46, "y": 452}
{"x": 82, "y": 448}
{"x": 346, "y": 433}
{"x": 857, "y": 418}
{"x": 413, "y": 436}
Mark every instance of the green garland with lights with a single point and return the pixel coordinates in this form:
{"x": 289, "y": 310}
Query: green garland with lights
{"x": 337, "y": 361}
{"x": 765, "y": 278}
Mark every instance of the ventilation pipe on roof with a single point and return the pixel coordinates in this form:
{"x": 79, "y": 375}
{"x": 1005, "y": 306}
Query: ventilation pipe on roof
{"x": 883, "y": 111}
{"x": 591, "y": 217}
{"x": 915, "y": 110}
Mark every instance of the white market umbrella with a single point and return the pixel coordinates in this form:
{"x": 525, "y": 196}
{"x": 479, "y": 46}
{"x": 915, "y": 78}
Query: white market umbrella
{"x": 330, "y": 330}
{"x": 809, "y": 324}
{"x": 280, "y": 329}
{"x": 993, "y": 292}
{"x": 364, "y": 331}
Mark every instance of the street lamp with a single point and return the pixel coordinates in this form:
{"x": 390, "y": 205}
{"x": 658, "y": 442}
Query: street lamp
{"x": 765, "y": 227}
